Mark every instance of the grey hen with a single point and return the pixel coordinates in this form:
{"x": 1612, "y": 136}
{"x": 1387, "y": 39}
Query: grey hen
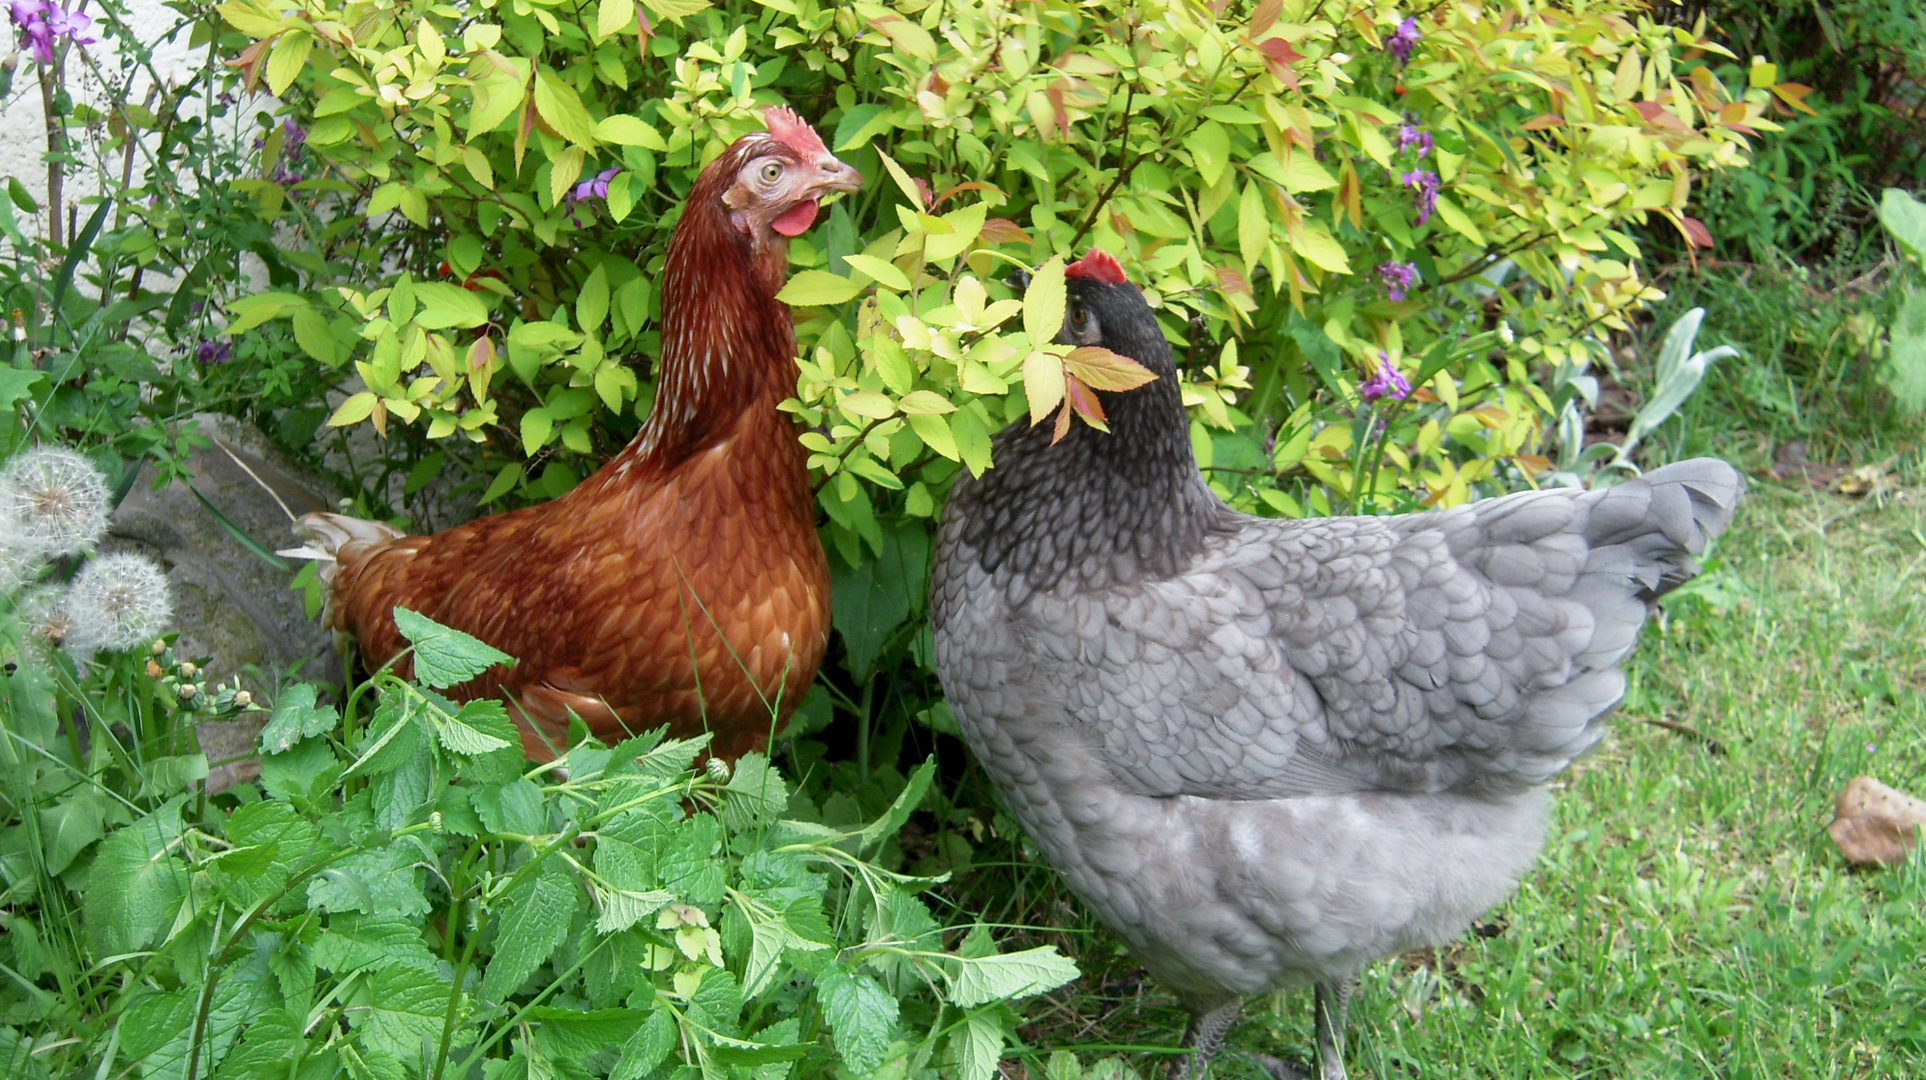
{"x": 1268, "y": 752}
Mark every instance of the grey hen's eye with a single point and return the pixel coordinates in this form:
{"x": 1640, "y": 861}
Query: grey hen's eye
{"x": 772, "y": 172}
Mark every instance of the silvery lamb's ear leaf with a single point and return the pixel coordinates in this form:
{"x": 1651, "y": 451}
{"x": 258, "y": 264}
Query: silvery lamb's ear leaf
{"x": 445, "y": 656}
{"x": 1905, "y": 218}
{"x": 1679, "y": 373}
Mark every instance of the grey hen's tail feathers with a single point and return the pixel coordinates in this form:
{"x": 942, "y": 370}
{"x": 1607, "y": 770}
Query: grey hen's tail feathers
{"x": 1667, "y": 516}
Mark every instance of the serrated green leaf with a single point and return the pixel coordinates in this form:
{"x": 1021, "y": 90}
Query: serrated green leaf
{"x": 515, "y": 809}
{"x": 296, "y": 716}
{"x": 354, "y": 941}
{"x": 978, "y": 981}
{"x": 445, "y": 656}
{"x": 861, "y": 1014}
{"x": 534, "y": 920}
{"x": 481, "y": 727}
{"x": 592, "y": 303}
{"x": 403, "y": 1006}
{"x": 647, "y": 1048}
{"x": 137, "y": 884}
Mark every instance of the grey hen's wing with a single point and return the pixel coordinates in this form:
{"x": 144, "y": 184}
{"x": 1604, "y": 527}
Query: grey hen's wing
{"x": 1468, "y": 649}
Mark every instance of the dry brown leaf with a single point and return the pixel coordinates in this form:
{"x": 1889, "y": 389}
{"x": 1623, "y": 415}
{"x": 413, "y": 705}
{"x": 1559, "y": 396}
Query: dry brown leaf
{"x": 1873, "y": 824}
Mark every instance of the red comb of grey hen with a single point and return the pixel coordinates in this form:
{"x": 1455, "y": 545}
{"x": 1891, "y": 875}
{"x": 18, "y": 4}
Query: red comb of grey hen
{"x": 1098, "y": 265}
{"x": 790, "y": 130}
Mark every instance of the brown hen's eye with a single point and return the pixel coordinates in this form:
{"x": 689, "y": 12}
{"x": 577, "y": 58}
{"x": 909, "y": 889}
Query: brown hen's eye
{"x": 772, "y": 172}
{"x": 1078, "y": 316}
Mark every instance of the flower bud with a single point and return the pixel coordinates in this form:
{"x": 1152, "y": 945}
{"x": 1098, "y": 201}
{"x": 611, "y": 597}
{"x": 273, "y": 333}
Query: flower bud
{"x": 242, "y": 699}
{"x": 187, "y": 670}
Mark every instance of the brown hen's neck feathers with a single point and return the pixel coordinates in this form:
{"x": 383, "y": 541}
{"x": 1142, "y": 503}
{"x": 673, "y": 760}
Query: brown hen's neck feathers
{"x": 727, "y": 343}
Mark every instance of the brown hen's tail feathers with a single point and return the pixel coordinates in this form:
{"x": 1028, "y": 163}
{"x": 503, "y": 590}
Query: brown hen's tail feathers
{"x": 333, "y": 539}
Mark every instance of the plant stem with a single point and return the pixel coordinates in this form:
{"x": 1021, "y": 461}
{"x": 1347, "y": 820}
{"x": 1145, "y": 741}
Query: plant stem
{"x": 50, "y": 77}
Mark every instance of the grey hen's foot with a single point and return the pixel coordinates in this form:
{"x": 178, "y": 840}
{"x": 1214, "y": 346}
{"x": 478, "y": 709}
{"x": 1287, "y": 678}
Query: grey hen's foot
{"x": 1279, "y": 1069}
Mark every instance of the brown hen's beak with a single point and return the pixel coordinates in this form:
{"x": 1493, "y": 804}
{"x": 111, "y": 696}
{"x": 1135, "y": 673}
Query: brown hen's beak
{"x": 836, "y": 178}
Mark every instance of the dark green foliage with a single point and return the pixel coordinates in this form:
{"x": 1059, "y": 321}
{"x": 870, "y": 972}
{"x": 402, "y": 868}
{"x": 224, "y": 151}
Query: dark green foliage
{"x": 1812, "y": 190}
{"x": 400, "y": 904}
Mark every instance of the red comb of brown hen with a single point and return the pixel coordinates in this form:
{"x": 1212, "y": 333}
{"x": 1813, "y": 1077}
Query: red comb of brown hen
{"x": 792, "y": 131}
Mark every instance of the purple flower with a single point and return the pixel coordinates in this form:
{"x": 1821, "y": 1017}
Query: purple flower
{"x": 44, "y": 24}
{"x": 1411, "y": 135}
{"x": 1387, "y": 381}
{"x": 1403, "y": 40}
{"x": 597, "y": 187}
{"x": 292, "y": 137}
{"x": 1424, "y": 191}
{"x": 1397, "y": 277}
{"x": 214, "y": 352}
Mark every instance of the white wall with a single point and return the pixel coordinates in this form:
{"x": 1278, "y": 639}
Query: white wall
{"x": 23, "y": 137}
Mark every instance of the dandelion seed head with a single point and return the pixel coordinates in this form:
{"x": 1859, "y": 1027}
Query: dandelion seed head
{"x": 54, "y": 500}
{"x": 19, "y": 567}
{"x": 119, "y": 601}
{"x": 41, "y": 614}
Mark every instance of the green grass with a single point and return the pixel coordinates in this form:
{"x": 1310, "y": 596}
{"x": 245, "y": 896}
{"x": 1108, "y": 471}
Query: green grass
{"x": 1689, "y": 916}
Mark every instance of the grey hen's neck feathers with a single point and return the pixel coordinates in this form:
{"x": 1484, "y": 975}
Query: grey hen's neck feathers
{"x": 1097, "y": 510}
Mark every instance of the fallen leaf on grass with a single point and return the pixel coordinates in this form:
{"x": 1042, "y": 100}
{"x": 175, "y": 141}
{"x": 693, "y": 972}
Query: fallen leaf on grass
{"x": 1873, "y": 824}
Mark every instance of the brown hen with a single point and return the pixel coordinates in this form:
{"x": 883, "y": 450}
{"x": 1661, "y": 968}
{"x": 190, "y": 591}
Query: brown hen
{"x": 683, "y": 583}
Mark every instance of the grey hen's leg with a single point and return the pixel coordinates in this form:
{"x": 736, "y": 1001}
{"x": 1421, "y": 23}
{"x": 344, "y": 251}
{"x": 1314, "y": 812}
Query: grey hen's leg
{"x": 1333, "y": 1001}
{"x": 1203, "y": 1038}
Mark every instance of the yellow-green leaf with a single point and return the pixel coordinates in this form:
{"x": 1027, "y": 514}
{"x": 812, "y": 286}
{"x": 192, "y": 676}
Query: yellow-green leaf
{"x": 612, "y": 16}
{"x": 884, "y": 273}
{"x": 1314, "y": 243}
{"x": 537, "y": 426}
{"x": 562, "y": 107}
{"x": 818, "y": 288}
{"x": 357, "y": 408}
{"x": 675, "y": 9}
{"x": 311, "y": 333}
{"x": 1043, "y": 302}
{"x": 868, "y": 404}
{"x": 442, "y": 305}
{"x": 925, "y": 403}
{"x": 935, "y": 433}
{"x": 286, "y": 59}
{"x": 592, "y": 303}
{"x": 1209, "y": 149}
{"x": 903, "y": 182}
{"x": 564, "y": 171}
{"x": 477, "y": 165}
{"x": 908, "y": 37}
{"x": 1042, "y": 384}
{"x": 965, "y": 224}
{"x": 1102, "y": 369}
{"x": 625, "y": 130}
{"x": 1253, "y": 225}
{"x": 500, "y": 85}
{"x": 1455, "y": 217}
{"x": 251, "y": 19}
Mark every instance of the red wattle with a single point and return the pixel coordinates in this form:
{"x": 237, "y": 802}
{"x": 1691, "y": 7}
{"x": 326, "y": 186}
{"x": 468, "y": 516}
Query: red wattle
{"x": 796, "y": 220}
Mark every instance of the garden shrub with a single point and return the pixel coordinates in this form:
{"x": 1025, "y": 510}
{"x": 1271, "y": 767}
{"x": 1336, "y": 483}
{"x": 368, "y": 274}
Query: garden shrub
{"x": 1325, "y": 191}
